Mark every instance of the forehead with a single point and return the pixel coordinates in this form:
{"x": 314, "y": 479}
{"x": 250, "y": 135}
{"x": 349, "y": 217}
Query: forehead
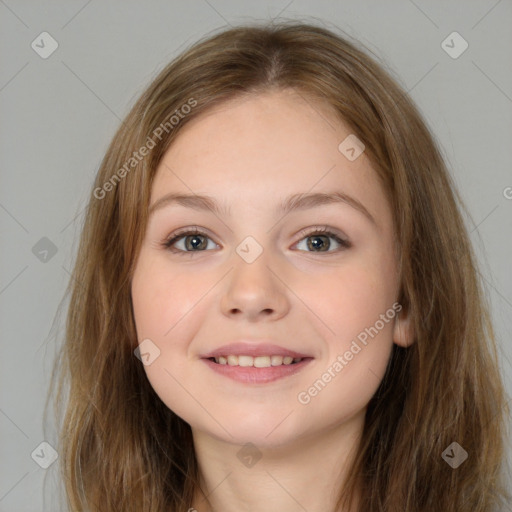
{"x": 258, "y": 149}
{"x": 273, "y": 124}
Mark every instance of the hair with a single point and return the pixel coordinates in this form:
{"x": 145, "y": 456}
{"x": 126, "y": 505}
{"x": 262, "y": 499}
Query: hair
{"x": 122, "y": 448}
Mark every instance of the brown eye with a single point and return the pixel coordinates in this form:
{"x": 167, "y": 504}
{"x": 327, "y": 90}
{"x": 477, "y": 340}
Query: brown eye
{"x": 194, "y": 241}
{"x": 318, "y": 241}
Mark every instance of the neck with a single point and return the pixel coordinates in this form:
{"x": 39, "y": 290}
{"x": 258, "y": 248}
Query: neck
{"x": 305, "y": 474}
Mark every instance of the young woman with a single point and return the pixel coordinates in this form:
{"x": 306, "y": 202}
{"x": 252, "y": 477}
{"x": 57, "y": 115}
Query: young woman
{"x": 275, "y": 304}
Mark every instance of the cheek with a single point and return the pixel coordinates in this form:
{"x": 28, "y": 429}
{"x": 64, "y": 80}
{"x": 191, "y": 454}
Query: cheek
{"x": 356, "y": 309}
{"x": 161, "y": 301}
{"x": 161, "y": 297}
{"x": 355, "y": 305}
{"x": 352, "y": 298}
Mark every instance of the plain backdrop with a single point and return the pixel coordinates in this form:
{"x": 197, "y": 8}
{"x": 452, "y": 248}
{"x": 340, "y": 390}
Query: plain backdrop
{"x": 59, "y": 113}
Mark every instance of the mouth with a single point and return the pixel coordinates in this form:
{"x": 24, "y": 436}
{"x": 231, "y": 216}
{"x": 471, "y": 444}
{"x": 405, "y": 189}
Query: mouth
{"x": 256, "y": 370}
{"x": 258, "y": 361}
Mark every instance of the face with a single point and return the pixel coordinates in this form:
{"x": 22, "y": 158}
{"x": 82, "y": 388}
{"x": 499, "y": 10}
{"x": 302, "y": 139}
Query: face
{"x": 258, "y": 274}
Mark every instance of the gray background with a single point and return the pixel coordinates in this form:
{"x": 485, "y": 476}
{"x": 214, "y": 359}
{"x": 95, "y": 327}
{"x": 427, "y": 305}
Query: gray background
{"x": 59, "y": 114}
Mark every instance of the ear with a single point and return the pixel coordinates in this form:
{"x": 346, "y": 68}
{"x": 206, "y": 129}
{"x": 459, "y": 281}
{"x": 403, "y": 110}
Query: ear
{"x": 403, "y": 330}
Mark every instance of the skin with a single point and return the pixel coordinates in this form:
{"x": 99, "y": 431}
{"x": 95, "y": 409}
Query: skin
{"x": 250, "y": 154}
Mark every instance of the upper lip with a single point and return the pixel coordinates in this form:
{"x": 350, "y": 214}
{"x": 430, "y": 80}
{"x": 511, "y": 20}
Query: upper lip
{"x": 254, "y": 349}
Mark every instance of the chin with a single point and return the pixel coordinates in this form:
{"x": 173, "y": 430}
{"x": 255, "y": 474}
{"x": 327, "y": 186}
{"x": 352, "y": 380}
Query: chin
{"x": 268, "y": 433}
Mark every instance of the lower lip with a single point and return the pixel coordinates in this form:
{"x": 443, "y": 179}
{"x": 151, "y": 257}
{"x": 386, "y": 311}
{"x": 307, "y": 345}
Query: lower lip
{"x": 252, "y": 375}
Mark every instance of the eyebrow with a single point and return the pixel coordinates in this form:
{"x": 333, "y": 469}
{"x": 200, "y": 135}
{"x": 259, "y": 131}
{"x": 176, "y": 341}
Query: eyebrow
{"x": 292, "y": 203}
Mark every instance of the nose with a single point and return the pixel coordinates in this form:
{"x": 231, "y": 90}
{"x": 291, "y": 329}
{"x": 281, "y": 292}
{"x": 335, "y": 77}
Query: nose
{"x": 255, "y": 291}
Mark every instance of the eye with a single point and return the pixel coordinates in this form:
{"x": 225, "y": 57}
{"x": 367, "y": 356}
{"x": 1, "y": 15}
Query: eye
{"x": 319, "y": 236}
{"x": 193, "y": 238}
{"x": 197, "y": 241}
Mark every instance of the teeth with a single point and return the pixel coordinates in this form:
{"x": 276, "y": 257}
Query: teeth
{"x": 257, "y": 362}
{"x": 276, "y": 360}
{"x": 245, "y": 361}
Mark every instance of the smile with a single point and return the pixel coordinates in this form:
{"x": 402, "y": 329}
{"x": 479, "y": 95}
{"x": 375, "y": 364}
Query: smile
{"x": 257, "y": 362}
{"x": 257, "y": 370}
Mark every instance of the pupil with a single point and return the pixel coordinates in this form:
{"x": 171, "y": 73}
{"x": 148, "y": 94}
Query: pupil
{"x": 318, "y": 245}
{"x": 194, "y": 245}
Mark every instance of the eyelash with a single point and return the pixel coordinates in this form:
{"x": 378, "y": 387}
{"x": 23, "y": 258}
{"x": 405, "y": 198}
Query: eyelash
{"x": 318, "y": 230}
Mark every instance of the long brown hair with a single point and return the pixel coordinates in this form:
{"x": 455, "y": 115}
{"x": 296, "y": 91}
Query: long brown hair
{"x": 122, "y": 449}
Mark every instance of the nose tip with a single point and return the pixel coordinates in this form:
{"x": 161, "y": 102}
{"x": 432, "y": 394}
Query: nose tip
{"x": 254, "y": 289}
